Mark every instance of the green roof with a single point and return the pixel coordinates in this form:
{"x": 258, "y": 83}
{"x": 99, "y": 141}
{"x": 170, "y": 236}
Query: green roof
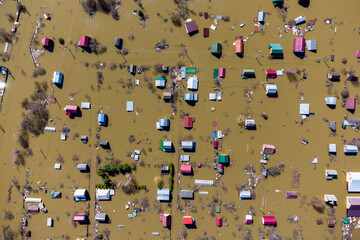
{"x": 224, "y": 158}
{"x": 216, "y": 73}
{"x": 161, "y": 78}
{"x": 190, "y": 70}
{"x": 216, "y": 48}
{"x": 276, "y": 48}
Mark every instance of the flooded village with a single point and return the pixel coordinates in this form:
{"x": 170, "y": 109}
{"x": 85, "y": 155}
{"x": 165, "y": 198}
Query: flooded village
{"x": 179, "y": 119}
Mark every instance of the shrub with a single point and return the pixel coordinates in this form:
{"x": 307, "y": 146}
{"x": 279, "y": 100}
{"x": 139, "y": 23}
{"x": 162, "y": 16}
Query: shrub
{"x": 176, "y": 19}
{"x": 61, "y": 41}
{"x": 318, "y": 203}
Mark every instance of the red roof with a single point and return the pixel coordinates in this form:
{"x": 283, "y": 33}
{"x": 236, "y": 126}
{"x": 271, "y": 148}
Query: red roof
{"x": 33, "y": 209}
{"x": 79, "y": 217}
{"x": 239, "y": 45}
{"x": 215, "y": 144}
{"x": 268, "y": 149}
{"x": 299, "y": 45}
{"x": 222, "y": 72}
{"x": 268, "y": 220}
{"x": 188, "y": 122}
{"x": 84, "y": 41}
{"x": 165, "y": 219}
{"x": 185, "y": 168}
{"x": 188, "y": 220}
{"x": 358, "y": 54}
{"x": 45, "y": 42}
{"x": 206, "y": 32}
{"x": 219, "y": 222}
{"x": 271, "y": 74}
{"x": 71, "y": 109}
{"x": 350, "y": 103}
{"x": 247, "y": 221}
{"x": 291, "y": 194}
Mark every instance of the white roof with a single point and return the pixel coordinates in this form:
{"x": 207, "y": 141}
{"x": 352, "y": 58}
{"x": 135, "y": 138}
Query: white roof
{"x": 311, "y": 45}
{"x": 80, "y": 192}
{"x": 185, "y": 158}
{"x": 163, "y": 194}
{"x": 129, "y": 106}
{"x": 57, "y": 166}
{"x": 103, "y": 194}
{"x": 353, "y": 181}
{"x": 212, "y": 96}
{"x": 332, "y": 148}
{"x": 85, "y": 105}
{"x": 330, "y": 100}
{"x": 304, "y": 108}
{"x": 160, "y": 83}
{"x": 192, "y": 83}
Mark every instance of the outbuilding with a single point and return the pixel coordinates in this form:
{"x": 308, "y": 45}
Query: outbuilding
{"x": 185, "y": 169}
{"x": 331, "y": 174}
{"x": 71, "y": 110}
{"x": 299, "y": 45}
{"x": 82, "y": 167}
{"x": 188, "y": 122}
{"x": 245, "y": 195}
{"x": 271, "y": 74}
{"x": 261, "y": 17}
{"x": 80, "y": 195}
{"x": 304, "y": 109}
{"x": 332, "y": 148}
{"x": 84, "y": 41}
{"x": 248, "y": 219}
{"x": 33, "y": 209}
{"x": 188, "y": 145}
{"x": 268, "y": 220}
{"x": 330, "y": 101}
{"x": 129, "y": 106}
{"x": 188, "y": 220}
{"x": 350, "y": 149}
{"x": 250, "y": 124}
{"x": 160, "y": 82}
{"x": 100, "y": 217}
{"x": 192, "y": 83}
{"x": 268, "y": 149}
{"x": 46, "y": 42}
{"x": 162, "y": 124}
{"x": 333, "y": 76}
{"x": 216, "y": 49}
{"x": 276, "y": 49}
{"x": 166, "y": 146}
{"x": 187, "y": 194}
{"x": 165, "y": 219}
{"x": 350, "y": 104}
{"x": 102, "y": 119}
{"x": 222, "y": 72}
{"x": 219, "y": 222}
{"x": 271, "y": 89}
{"x": 79, "y": 218}
{"x": 57, "y": 78}
{"x": 248, "y": 73}
{"x": 291, "y": 194}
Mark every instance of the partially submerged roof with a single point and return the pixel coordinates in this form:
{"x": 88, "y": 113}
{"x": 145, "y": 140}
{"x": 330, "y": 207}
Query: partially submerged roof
{"x": 163, "y": 194}
{"x": 191, "y": 27}
{"x": 304, "y": 108}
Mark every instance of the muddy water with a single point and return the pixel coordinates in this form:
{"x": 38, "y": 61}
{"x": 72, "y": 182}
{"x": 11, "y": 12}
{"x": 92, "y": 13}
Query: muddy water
{"x": 280, "y": 129}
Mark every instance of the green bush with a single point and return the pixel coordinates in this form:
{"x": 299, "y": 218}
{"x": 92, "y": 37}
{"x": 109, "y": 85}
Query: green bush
{"x": 171, "y": 178}
{"x": 61, "y": 41}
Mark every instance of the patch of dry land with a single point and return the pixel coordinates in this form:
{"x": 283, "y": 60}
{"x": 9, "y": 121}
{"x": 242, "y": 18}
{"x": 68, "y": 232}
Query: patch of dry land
{"x": 132, "y": 158}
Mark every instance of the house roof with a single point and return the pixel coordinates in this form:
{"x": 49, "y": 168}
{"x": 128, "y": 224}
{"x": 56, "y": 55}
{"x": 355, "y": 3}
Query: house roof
{"x": 216, "y": 48}
{"x": 353, "y": 181}
{"x": 311, "y": 45}
{"x": 188, "y": 122}
{"x": 79, "y": 217}
{"x": 268, "y": 149}
{"x": 219, "y": 222}
{"x": 276, "y": 48}
{"x": 222, "y": 72}
{"x": 103, "y": 194}
{"x": 100, "y": 216}
{"x": 191, "y": 97}
{"x": 223, "y": 158}
{"x": 80, "y": 192}
{"x": 45, "y": 42}
{"x": 304, "y": 108}
{"x": 192, "y": 83}
{"x": 163, "y": 194}
{"x": 57, "y": 77}
{"x": 268, "y": 220}
{"x": 71, "y": 109}
{"x": 239, "y": 44}
{"x": 291, "y": 194}
{"x": 185, "y": 168}
{"x": 353, "y": 206}
{"x": 165, "y": 219}
{"x": 84, "y": 41}
{"x": 186, "y": 194}
{"x": 350, "y": 103}
{"x": 191, "y": 27}
{"x": 129, "y": 106}
{"x": 299, "y": 45}
{"x": 187, "y": 220}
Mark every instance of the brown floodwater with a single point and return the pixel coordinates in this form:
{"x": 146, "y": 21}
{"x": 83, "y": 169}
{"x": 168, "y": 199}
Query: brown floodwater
{"x": 80, "y": 82}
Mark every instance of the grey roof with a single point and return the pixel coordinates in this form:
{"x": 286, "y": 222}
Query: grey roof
{"x": 186, "y": 194}
{"x": 82, "y": 166}
{"x": 100, "y": 217}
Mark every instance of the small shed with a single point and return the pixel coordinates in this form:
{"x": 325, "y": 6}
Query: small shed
{"x": 165, "y": 170}
{"x": 330, "y": 199}
{"x": 167, "y": 96}
{"x": 82, "y": 167}
{"x": 162, "y": 124}
{"x": 271, "y": 89}
{"x": 215, "y": 73}
{"x": 188, "y": 220}
{"x": 184, "y": 158}
{"x": 188, "y": 145}
{"x": 333, "y": 76}
{"x": 212, "y": 96}
{"x": 192, "y": 83}
{"x": 331, "y": 223}
{"x": 45, "y": 42}
{"x": 103, "y": 194}
{"x": 271, "y": 74}
{"x": 250, "y": 124}
{"x": 33, "y": 209}
{"x": 331, "y": 174}
{"x": 261, "y": 17}
{"x": 276, "y": 49}
{"x": 304, "y": 109}
{"x": 330, "y": 101}
{"x": 163, "y": 195}
{"x": 216, "y": 49}
{"x": 350, "y": 104}
{"x": 278, "y": 2}
{"x": 118, "y": 43}
{"x": 220, "y": 167}
{"x": 165, "y": 219}
{"x": 185, "y": 169}
{"x": 129, "y": 106}
{"x": 85, "y": 105}
{"x": 311, "y": 45}
{"x": 300, "y": 20}
{"x": 55, "y": 194}
{"x": 47, "y": 16}
{"x": 80, "y": 195}
{"x": 191, "y": 27}
{"x": 268, "y": 220}
{"x": 224, "y": 158}
{"x": 166, "y": 146}
{"x": 188, "y": 194}
{"x": 222, "y": 72}
{"x": 299, "y": 45}
{"x": 239, "y": 45}
{"x": 102, "y": 119}
{"x": 49, "y": 222}
{"x": 219, "y": 222}
{"x": 132, "y": 69}
{"x": 245, "y": 195}
{"x": 332, "y": 148}
{"x": 206, "y": 32}
{"x": 84, "y": 41}
{"x": 188, "y": 122}
{"x": 160, "y": 82}
{"x": 291, "y": 194}
{"x": 248, "y": 219}
{"x": 183, "y": 72}
{"x": 79, "y": 217}
{"x": 248, "y": 73}
{"x": 350, "y": 149}
{"x": 268, "y": 149}
{"x": 191, "y": 97}
{"x": 57, "y": 78}
{"x": 71, "y": 109}
{"x": 100, "y": 217}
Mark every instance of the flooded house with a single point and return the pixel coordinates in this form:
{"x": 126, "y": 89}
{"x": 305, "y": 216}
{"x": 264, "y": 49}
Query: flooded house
{"x": 248, "y": 73}
{"x": 80, "y": 217}
{"x": 268, "y": 149}
{"x": 220, "y": 167}
{"x": 166, "y": 146}
{"x": 268, "y": 220}
{"x": 291, "y": 195}
{"x": 261, "y": 17}
{"x": 330, "y": 199}
{"x": 184, "y": 158}
{"x": 191, "y": 27}
{"x": 71, "y": 110}
{"x": 224, "y": 159}
{"x": 104, "y": 144}
{"x": 83, "y": 167}
{"x": 332, "y": 148}
{"x": 191, "y": 97}
{"x": 183, "y": 72}
{"x": 80, "y": 195}
{"x": 300, "y": 20}
{"x": 216, "y": 49}
{"x": 299, "y": 45}
{"x": 186, "y": 169}
{"x": 188, "y": 145}
{"x": 271, "y": 90}
{"x": 167, "y": 96}
{"x": 352, "y": 76}
{"x": 118, "y": 42}
{"x": 271, "y": 74}
{"x": 351, "y": 149}
{"x": 278, "y": 3}
{"x": 130, "y": 106}
{"x": 250, "y": 124}
{"x": 353, "y": 206}
{"x": 101, "y": 217}
{"x": 165, "y": 219}
{"x": 57, "y": 78}
{"x": 85, "y": 105}
{"x": 276, "y": 50}
{"x": 49, "y": 222}
{"x": 353, "y": 182}
{"x": 333, "y": 76}
{"x": 84, "y": 41}
{"x": 222, "y": 72}
{"x": 248, "y": 219}
{"x": 46, "y": 42}
{"x": 160, "y": 82}
{"x": 304, "y": 109}
{"x": 188, "y": 220}
{"x": 331, "y": 174}
{"x": 132, "y": 69}
{"x": 245, "y": 195}
{"x": 206, "y": 32}
{"x": 192, "y": 83}
{"x": 103, "y": 194}
{"x": 47, "y": 16}
{"x": 55, "y": 194}
{"x": 163, "y": 195}
{"x": 219, "y": 222}
{"x": 102, "y": 119}
{"x": 330, "y": 101}
{"x": 239, "y": 46}
{"x": 206, "y": 183}
{"x": 188, "y": 122}
{"x": 163, "y": 124}
{"x": 33, "y": 209}
{"x": 311, "y": 45}
{"x": 358, "y": 54}
{"x": 187, "y": 194}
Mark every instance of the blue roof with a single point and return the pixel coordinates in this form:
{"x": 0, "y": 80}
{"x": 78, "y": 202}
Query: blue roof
{"x": 191, "y": 97}
{"x": 183, "y": 72}
{"x": 57, "y": 78}
{"x": 102, "y": 119}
